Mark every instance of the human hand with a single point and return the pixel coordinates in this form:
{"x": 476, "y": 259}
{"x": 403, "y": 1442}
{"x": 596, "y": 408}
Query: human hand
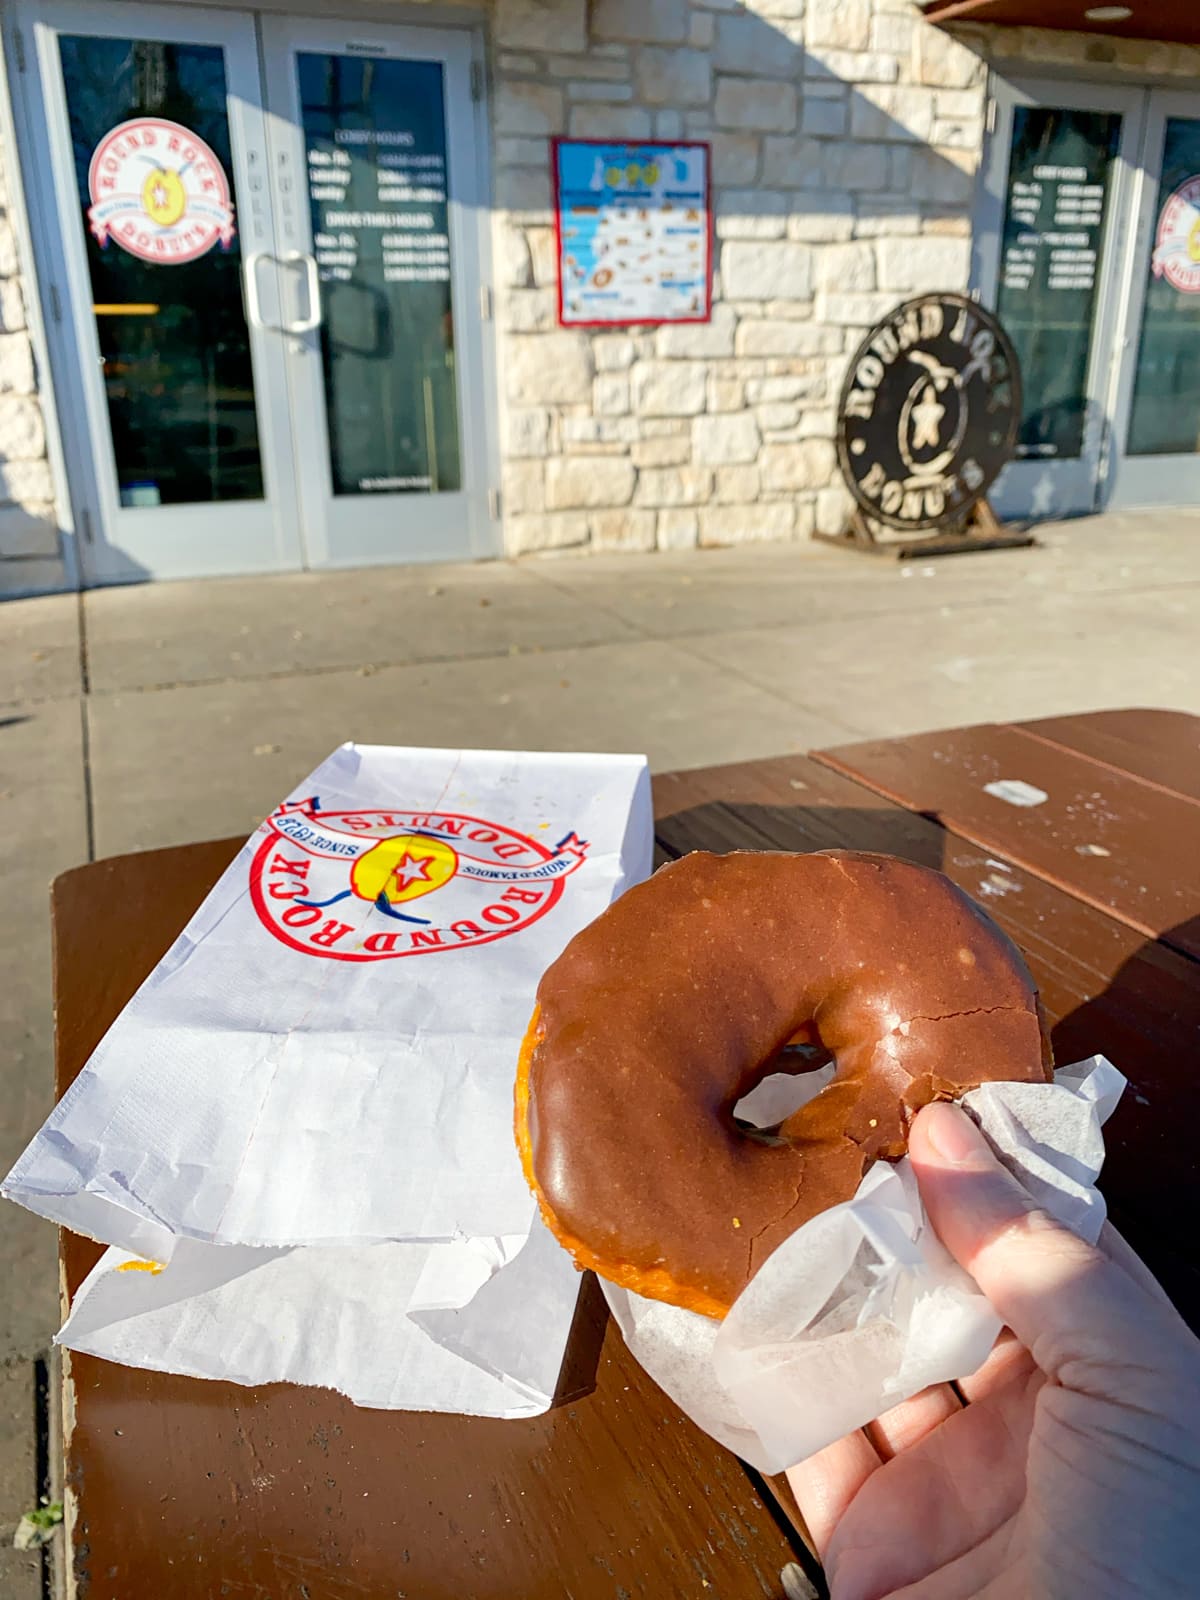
{"x": 1073, "y": 1472}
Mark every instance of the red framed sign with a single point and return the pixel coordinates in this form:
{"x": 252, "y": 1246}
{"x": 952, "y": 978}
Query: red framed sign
{"x": 633, "y": 232}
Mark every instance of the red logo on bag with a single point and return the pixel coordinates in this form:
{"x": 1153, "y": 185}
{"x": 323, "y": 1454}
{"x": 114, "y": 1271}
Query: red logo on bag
{"x": 360, "y": 885}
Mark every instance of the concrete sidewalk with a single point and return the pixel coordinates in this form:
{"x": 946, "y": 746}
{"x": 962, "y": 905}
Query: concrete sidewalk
{"x": 160, "y": 714}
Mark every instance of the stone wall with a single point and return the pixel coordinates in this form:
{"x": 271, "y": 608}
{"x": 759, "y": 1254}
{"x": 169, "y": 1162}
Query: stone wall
{"x": 30, "y": 557}
{"x": 845, "y": 136}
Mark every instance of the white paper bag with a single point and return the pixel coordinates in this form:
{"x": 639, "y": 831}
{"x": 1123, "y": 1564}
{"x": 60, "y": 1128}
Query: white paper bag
{"x": 862, "y": 1307}
{"x": 298, "y": 1136}
{"x": 326, "y": 1054}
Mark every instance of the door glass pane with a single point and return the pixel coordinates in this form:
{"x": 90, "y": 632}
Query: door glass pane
{"x": 150, "y": 135}
{"x": 375, "y": 136}
{"x": 1059, "y": 179}
{"x": 1165, "y": 419}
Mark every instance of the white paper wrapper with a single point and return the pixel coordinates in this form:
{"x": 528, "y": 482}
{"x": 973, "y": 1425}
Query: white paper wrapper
{"x": 863, "y": 1307}
{"x": 477, "y": 1327}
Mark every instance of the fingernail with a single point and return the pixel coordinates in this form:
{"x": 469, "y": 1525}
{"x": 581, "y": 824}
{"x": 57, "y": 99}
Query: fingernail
{"x": 951, "y": 1133}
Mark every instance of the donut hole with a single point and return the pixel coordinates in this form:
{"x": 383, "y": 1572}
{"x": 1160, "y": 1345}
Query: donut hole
{"x": 792, "y": 1078}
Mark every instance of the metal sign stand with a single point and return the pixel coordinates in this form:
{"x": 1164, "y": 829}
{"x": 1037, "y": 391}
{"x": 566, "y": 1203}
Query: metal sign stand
{"x": 982, "y": 530}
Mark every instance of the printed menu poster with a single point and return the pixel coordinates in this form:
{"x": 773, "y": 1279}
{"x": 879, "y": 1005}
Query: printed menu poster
{"x": 633, "y": 232}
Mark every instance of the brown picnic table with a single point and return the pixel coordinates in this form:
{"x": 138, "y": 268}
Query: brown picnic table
{"x": 196, "y": 1490}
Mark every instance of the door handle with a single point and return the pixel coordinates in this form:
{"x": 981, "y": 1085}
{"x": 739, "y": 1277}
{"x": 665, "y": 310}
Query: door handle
{"x": 250, "y": 280}
{"x": 312, "y": 319}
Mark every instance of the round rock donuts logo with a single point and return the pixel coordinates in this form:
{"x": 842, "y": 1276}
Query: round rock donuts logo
{"x": 373, "y": 885}
{"x": 1177, "y": 245}
{"x": 929, "y": 412}
{"x": 159, "y": 192}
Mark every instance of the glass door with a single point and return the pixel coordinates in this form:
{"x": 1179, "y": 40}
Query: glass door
{"x": 1057, "y": 187}
{"x": 381, "y": 214}
{"x": 1158, "y": 396}
{"x": 153, "y": 212}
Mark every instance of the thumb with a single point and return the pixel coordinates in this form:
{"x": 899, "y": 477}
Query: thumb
{"x": 1066, "y": 1301}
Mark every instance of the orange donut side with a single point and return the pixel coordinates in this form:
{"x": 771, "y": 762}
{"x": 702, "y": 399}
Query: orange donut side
{"x": 655, "y": 1284}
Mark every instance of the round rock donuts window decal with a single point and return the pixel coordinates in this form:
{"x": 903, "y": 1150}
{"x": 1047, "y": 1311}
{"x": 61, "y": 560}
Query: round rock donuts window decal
{"x": 1177, "y": 242}
{"x": 929, "y": 412}
{"x": 159, "y": 192}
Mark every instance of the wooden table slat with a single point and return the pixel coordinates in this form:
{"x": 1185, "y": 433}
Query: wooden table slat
{"x": 1160, "y": 747}
{"x": 1128, "y": 847}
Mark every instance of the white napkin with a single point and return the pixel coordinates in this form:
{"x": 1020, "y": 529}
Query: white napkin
{"x": 862, "y": 1307}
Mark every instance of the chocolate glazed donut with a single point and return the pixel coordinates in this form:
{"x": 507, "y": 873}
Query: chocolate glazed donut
{"x": 677, "y": 1001}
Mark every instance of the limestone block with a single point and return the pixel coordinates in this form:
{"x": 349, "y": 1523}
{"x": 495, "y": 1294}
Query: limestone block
{"x": 891, "y": 111}
{"x": 528, "y": 108}
{"x": 795, "y": 163}
{"x": 827, "y": 118}
{"x": 668, "y": 451}
{"x": 822, "y": 218}
{"x": 892, "y": 34}
{"x": 26, "y": 482}
{"x": 526, "y": 431}
{"x": 673, "y": 486}
{"x": 760, "y": 390}
{"x": 521, "y": 152}
{"x": 924, "y": 263}
{"x": 524, "y": 191}
{"x": 850, "y": 66}
{"x": 524, "y": 486}
{"x": 959, "y": 102}
{"x": 735, "y": 158}
{"x": 816, "y": 425}
{"x": 856, "y": 166}
{"x": 702, "y": 30}
{"x": 733, "y": 437}
{"x": 668, "y": 124}
{"x": 623, "y": 530}
{"x": 540, "y": 24}
{"x": 854, "y": 310}
{"x": 12, "y": 305}
{"x": 672, "y": 77}
{"x": 747, "y": 524}
{"x": 771, "y": 337}
{"x": 589, "y": 92}
{"x": 605, "y": 435}
{"x": 958, "y": 133}
{"x": 643, "y": 21}
{"x": 28, "y": 531}
{"x": 699, "y": 339}
{"x": 772, "y": 270}
{"x": 612, "y": 352}
{"x": 546, "y": 530}
{"x": 16, "y": 364}
{"x": 529, "y": 310}
{"x": 845, "y": 266}
{"x": 726, "y": 394}
{"x": 751, "y": 214}
{"x": 736, "y": 485}
{"x": 802, "y": 464}
{"x": 543, "y": 256}
{"x": 597, "y": 64}
{"x": 514, "y": 61}
{"x": 846, "y": 24}
{"x": 946, "y": 176}
{"x": 610, "y": 395}
{"x": 609, "y": 122}
{"x": 678, "y": 530}
{"x": 886, "y": 218}
{"x": 22, "y": 433}
{"x": 779, "y": 417}
{"x": 945, "y": 62}
{"x": 669, "y": 388}
{"x": 755, "y": 105}
{"x": 833, "y": 508}
{"x": 548, "y": 368}
{"x": 9, "y": 262}
{"x": 748, "y": 45}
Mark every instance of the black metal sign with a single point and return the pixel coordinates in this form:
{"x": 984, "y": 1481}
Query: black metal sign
{"x": 929, "y": 412}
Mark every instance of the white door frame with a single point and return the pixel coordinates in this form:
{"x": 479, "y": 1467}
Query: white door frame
{"x": 366, "y": 529}
{"x": 119, "y": 543}
{"x": 1154, "y": 479}
{"x": 1062, "y": 487}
